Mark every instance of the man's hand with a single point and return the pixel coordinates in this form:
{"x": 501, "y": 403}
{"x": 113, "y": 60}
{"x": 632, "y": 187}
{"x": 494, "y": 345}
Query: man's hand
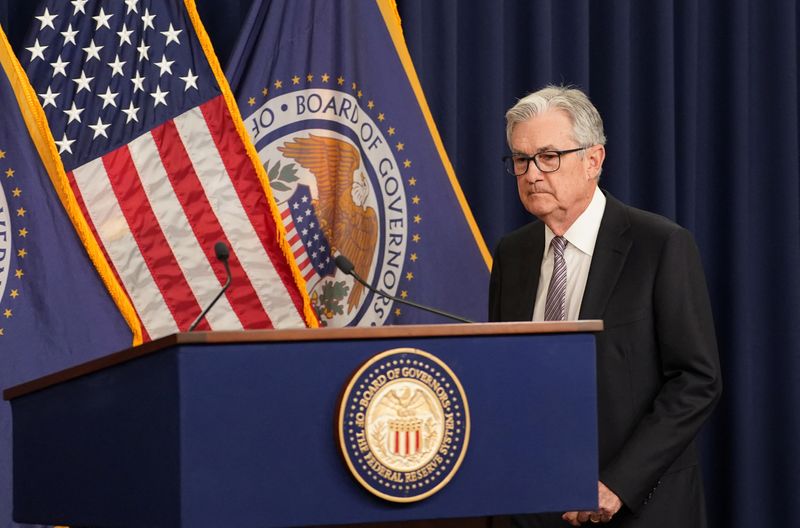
{"x": 609, "y": 505}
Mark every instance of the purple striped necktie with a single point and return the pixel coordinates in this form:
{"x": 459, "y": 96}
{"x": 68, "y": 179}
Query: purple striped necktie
{"x": 555, "y": 308}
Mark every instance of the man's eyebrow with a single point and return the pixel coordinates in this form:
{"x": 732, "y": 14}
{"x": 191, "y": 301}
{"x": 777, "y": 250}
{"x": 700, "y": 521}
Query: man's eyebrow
{"x": 545, "y": 148}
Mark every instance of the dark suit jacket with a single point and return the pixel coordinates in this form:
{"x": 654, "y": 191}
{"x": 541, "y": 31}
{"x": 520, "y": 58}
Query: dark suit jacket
{"x": 657, "y": 365}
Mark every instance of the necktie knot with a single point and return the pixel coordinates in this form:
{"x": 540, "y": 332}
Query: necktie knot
{"x": 559, "y": 243}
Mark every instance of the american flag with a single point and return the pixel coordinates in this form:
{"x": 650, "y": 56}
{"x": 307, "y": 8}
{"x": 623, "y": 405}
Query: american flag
{"x": 158, "y": 163}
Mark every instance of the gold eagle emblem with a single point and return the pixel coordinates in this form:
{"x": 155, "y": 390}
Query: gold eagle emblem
{"x": 350, "y": 226}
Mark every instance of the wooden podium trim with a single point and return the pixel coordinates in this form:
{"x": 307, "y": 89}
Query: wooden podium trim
{"x": 301, "y": 334}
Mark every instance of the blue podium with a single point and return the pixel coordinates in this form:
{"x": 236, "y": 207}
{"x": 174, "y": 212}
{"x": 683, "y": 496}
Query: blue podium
{"x": 239, "y": 428}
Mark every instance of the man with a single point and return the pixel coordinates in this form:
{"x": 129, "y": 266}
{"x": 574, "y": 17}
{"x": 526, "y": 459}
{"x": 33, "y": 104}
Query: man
{"x": 591, "y": 257}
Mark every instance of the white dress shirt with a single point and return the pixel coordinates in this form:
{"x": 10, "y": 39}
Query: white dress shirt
{"x": 581, "y": 239}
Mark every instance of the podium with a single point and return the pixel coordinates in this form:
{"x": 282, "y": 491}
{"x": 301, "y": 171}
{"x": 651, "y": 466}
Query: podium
{"x": 239, "y": 428}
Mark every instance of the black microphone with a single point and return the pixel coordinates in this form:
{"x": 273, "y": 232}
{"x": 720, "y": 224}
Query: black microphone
{"x": 344, "y": 264}
{"x": 222, "y": 253}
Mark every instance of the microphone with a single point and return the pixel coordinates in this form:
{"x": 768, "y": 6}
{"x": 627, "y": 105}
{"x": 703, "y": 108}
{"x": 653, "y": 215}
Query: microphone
{"x": 344, "y": 264}
{"x": 222, "y": 253}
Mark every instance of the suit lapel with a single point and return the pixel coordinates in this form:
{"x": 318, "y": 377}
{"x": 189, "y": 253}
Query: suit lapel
{"x": 611, "y": 250}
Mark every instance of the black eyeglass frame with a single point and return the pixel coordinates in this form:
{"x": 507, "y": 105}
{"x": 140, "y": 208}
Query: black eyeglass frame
{"x": 535, "y": 159}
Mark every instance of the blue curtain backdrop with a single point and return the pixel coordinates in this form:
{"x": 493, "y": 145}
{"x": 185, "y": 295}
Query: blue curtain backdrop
{"x": 700, "y": 102}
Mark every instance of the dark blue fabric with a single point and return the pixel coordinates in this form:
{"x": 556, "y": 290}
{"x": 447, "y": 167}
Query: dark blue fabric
{"x": 700, "y": 101}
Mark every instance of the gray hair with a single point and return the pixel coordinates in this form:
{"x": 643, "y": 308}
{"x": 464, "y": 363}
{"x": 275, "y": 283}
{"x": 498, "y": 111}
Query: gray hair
{"x": 587, "y": 125}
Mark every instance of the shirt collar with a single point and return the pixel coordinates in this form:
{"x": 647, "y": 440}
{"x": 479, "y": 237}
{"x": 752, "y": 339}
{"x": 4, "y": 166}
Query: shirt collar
{"x": 583, "y": 232}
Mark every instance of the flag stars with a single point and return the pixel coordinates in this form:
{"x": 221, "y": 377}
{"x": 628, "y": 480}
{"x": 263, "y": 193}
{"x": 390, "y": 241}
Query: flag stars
{"x": 403, "y": 294}
{"x": 92, "y": 51}
{"x": 415, "y": 200}
{"x": 138, "y": 82}
{"x": 417, "y": 219}
{"x": 407, "y": 163}
{"x": 49, "y": 98}
{"x": 381, "y": 117}
{"x": 46, "y": 19}
{"x": 172, "y": 35}
{"x": 19, "y": 274}
{"x": 102, "y": 20}
{"x": 409, "y": 276}
{"x": 340, "y": 80}
{"x": 9, "y": 173}
{"x": 116, "y": 66}
{"x": 83, "y": 83}
{"x": 251, "y": 101}
{"x": 37, "y": 50}
{"x": 309, "y": 77}
{"x": 359, "y": 94}
{"x": 131, "y": 112}
{"x": 2, "y": 154}
{"x": 325, "y": 77}
{"x": 142, "y": 49}
{"x": 391, "y": 131}
{"x": 370, "y": 104}
{"x": 131, "y": 6}
{"x": 190, "y": 80}
{"x": 99, "y": 129}
{"x": 65, "y": 144}
{"x": 164, "y": 65}
{"x": 22, "y": 253}
{"x": 159, "y": 97}
{"x": 416, "y": 237}
{"x": 353, "y": 86}
{"x": 400, "y": 146}
{"x": 295, "y": 80}
{"x": 414, "y": 257}
{"x": 109, "y": 97}
{"x": 7, "y": 313}
{"x": 14, "y": 294}
{"x": 412, "y": 181}
{"x": 147, "y": 19}
{"x": 21, "y": 212}
{"x": 23, "y": 233}
{"x": 265, "y": 91}
{"x": 17, "y": 192}
{"x": 69, "y": 35}
{"x": 397, "y": 312}
{"x": 59, "y": 67}
{"x": 78, "y": 6}
{"x": 125, "y": 35}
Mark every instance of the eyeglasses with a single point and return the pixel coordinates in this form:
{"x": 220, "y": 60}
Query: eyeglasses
{"x": 547, "y": 161}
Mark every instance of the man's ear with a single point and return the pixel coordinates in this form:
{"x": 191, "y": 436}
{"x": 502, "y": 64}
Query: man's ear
{"x": 595, "y": 155}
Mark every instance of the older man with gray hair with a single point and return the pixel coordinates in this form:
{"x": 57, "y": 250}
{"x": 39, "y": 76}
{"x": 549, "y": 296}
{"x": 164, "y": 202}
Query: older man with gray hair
{"x": 589, "y": 256}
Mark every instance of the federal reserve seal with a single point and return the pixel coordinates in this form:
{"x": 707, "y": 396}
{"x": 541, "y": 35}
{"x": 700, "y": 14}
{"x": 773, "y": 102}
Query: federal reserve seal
{"x": 404, "y": 425}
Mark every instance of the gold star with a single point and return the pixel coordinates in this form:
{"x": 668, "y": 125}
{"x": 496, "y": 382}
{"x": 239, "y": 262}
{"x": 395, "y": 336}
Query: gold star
{"x": 354, "y": 86}
{"x": 325, "y": 77}
{"x": 413, "y": 257}
{"x": 417, "y": 219}
{"x": 309, "y": 77}
{"x": 370, "y": 105}
{"x": 416, "y": 238}
{"x": 21, "y": 211}
{"x": 400, "y": 146}
{"x": 340, "y": 80}
{"x": 14, "y": 294}
{"x": 7, "y": 313}
{"x": 381, "y": 117}
{"x": 1, "y": 330}
{"x": 2, "y": 154}
{"x": 403, "y": 294}
{"x": 251, "y": 101}
{"x": 23, "y": 232}
{"x": 10, "y": 173}
{"x": 278, "y": 84}
{"x": 22, "y": 253}
{"x": 391, "y": 131}
{"x": 415, "y": 200}
{"x": 409, "y": 276}
{"x": 412, "y": 181}
{"x": 265, "y": 91}
{"x": 16, "y": 192}
{"x": 397, "y": 312}
{"x": 19, "y": 273}
{"x": 407, "y": 163}
{"x": 360, "y": 94}
{"x": 295, "y": 80}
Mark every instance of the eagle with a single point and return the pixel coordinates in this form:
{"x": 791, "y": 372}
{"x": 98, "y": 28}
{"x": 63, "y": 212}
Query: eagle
{"x": 350, "y": 226}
